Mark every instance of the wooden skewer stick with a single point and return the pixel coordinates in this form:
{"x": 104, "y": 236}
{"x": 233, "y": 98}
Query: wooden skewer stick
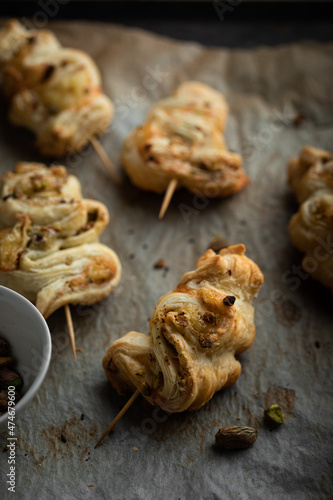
{"x": 105, "y": 159}
{"x": 118, "y": 417}
{"x": 70, "y": 328}
{"x": 167, "y": 197}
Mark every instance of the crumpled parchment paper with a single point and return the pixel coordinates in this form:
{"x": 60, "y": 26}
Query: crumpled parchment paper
{"x": 280, "y": 99}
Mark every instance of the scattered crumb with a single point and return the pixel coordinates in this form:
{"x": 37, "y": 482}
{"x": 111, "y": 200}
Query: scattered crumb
{"x": 6, "y": 448}
{"x": 78, "y": 349}
{"x": 91, "y": 485}
{"x": 238, "y": 418}
{"x": 135, "y": 449}
{"x": 299, "y": 119}
{"x": 91, "y": 433}
{"x": 160, "y": 264}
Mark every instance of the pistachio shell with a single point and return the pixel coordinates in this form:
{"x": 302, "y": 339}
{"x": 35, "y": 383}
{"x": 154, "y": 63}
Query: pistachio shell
{"x": 234, "y": 437}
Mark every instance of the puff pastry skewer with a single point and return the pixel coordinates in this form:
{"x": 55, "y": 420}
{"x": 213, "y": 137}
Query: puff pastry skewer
{"x": 195, "y": 332}
{"x": 181, "y": 145}
{"x": 311, "y": 228}
{"x": 49, "y": 247}
{"x": 53, "y": 91}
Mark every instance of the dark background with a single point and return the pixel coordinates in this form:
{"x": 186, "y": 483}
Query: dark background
{"x": 249, "y": 24}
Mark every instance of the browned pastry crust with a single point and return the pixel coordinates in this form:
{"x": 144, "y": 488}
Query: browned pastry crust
{"x": 51, "y": 253}
{"x": 50, "y": 196}
{"x": 34, "y": 264}
{"x": 195, "y": 332}
{"x": 182, "y": 139}
{"x": 53, "y": 91}
{"x": 45, "y": 194}
{"x": 311, "y": 228}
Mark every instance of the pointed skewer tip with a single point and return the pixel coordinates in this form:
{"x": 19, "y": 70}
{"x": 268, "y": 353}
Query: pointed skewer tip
{"x": 70, "y": 329}
{"x": 167, "y": 197}
{"x": 105, "y": 159}
{"x": 111, "y": 426}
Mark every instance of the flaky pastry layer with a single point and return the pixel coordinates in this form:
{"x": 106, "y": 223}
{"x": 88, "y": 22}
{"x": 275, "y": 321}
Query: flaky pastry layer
{"x": 53, "y": 91}
{"x": 182, "y": 139}
{"x": 311, "y": 228}
{"x": 195, "y": 332}
{"x": 50, "y": 251}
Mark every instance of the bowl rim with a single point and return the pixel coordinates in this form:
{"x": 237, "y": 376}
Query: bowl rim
{"x": 33, "y": 389}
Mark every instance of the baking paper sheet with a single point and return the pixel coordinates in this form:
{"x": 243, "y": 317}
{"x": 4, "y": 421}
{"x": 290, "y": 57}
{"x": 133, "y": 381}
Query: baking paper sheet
{"x": 290, "y": 362}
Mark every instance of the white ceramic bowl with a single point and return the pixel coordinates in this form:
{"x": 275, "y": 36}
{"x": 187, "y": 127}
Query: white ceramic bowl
{"x": 22, "y": 325}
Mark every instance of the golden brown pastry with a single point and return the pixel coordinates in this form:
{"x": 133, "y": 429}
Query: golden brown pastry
{"x": 53, "y": 91}
{"x": 45, "y": 194}
{"x": 50, "y": 196}
{"x": 182, "y": 139}
{"x": 195, "y": 332}
{"x": 51, "y": 253}
{"x": 311, "y": 228}
{"x": 33, "y": 263}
